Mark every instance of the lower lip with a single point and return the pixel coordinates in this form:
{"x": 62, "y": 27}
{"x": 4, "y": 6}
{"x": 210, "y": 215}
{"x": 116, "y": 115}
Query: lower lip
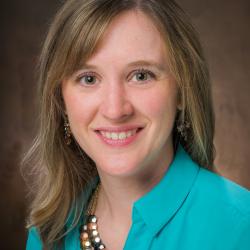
{"x": 119, "y": 143}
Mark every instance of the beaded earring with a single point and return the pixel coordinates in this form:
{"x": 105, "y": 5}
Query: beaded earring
{"x": 67, "y": 132}
{"x": 182, "y": 128}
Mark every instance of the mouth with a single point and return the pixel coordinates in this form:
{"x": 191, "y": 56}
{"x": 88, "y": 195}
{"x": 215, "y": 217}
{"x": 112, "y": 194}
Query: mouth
{"x": 118, "y": 137}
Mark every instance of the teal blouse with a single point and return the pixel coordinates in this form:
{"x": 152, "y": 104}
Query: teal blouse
{"x": 191, "y": 208}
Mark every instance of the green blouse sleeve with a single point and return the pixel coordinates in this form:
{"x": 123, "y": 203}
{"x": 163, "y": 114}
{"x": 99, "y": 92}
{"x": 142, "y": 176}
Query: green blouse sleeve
{"x": 33, "y": 242}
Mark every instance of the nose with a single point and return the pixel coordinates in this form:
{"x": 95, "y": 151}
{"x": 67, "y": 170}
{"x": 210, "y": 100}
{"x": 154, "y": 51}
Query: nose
{"x": 116, "y": 105}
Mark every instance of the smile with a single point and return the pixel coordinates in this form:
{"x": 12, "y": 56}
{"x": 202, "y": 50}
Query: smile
{"x": 118, "y": 138}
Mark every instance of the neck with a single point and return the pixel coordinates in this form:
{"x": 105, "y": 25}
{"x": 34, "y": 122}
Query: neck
{"x": 118, "y": 194}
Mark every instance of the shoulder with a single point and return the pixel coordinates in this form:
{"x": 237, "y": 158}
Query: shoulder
{"x": 220, "y": 209}
{"x": 224, "y": 192}
{"x": 34, "y": 241}
{"x": 221, "y": 202}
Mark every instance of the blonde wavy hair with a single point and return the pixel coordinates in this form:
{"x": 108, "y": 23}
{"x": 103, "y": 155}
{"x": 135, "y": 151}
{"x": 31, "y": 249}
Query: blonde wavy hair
{"x": 61, "y": 172}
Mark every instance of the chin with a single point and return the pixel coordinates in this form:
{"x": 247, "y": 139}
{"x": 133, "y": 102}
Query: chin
{"x": 118, "y": 168}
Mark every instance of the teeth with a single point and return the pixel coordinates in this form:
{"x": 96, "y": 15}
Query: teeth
{"x": 107, "y": 134}
{"x": 114, "y": 136}
{"x": 122, "y": 136}
{"x": 118, "y": 136}
{"x": 130, "y": 133}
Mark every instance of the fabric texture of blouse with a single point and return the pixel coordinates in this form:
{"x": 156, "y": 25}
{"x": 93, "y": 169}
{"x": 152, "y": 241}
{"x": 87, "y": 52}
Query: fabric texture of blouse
{"x": 190, "y": 208}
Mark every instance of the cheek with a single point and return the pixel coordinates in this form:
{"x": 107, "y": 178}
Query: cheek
{"x": 80, "y": 109}
{"x": 160, "y": 103}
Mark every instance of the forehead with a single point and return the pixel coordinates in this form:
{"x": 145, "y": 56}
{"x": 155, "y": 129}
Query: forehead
{"x": 131, "y": 36}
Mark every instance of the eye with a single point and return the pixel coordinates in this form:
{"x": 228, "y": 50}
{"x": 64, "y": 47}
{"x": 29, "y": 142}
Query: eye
{"x": 87, "y": 79}
{"x": 142, "y": 75}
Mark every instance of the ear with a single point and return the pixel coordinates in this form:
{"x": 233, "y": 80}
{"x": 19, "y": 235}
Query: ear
{"x": 179, "y": 106}
{"x": 179, "y": 101}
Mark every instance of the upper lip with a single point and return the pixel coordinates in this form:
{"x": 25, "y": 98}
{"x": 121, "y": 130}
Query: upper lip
{"x": 118, "y": 129}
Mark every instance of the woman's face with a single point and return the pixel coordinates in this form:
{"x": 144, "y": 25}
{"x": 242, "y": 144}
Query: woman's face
{"x": 122, "y": 103}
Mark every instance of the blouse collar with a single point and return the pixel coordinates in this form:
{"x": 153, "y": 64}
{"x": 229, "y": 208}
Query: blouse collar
{"x": 159, "y": 205}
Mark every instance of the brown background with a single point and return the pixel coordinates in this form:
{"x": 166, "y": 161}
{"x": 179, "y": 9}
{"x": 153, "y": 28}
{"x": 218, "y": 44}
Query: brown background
{"x": 224, "y": 29}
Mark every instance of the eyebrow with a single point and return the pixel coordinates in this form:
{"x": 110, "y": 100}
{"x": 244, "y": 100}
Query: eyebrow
{"x": 148, "y": 63}
{"x": 139, "y": 63}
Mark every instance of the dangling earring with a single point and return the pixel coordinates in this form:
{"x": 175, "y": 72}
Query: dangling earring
{"x": 182, "y": 129}
{"x": 67, "y": 132}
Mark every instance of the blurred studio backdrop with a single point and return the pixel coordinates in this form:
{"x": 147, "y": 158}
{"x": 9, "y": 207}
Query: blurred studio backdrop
{"x": 224, "y": 31}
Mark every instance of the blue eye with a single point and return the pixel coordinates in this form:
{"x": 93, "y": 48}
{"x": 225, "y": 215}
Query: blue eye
{"x": 143, "y": 75}
{"x": 87, "y": 79}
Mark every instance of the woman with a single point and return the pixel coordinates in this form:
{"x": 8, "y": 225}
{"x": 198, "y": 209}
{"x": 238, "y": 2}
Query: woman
{"x": 126, "y": 136}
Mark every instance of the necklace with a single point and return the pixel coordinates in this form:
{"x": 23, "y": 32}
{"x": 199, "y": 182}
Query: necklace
{"x": 89, "y": 235}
